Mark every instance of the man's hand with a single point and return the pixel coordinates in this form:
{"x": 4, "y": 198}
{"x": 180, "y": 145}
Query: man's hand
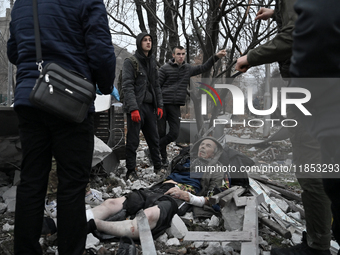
{"x": 135, "y": 116}
{"x": 221, "y": 53}
{"x": 179, "y": 194}
{"x": 160, "y": 112}
{"x": 264, "y": 14}
{"x": 242, "y": 64}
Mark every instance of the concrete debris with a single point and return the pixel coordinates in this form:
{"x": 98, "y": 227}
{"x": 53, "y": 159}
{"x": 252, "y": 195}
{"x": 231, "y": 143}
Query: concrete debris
{"x": 178, "y": 229}
{"x": 3, "y": 208}
{"x": 232, "y": 217}
{"x": 214, "y": 222}
{"x": 163, "y": 238}
{"x": 213, "y": 248}
{"x": 7, "y": 227}
{"x": 173, "y": 241}
{"x": 277, "y": 207}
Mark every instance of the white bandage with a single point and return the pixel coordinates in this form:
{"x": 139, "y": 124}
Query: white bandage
{"x": 195, "y": 200}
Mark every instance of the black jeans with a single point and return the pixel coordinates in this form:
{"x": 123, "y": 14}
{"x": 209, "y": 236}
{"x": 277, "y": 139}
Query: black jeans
{"x": 330, "y": 148}
{"x": 171, "y": 114}
{"x": 43, "y": 136}
{"x": 148, "y": 125}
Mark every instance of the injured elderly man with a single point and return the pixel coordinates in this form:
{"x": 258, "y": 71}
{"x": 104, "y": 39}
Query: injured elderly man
{"x": 189, "y": 184}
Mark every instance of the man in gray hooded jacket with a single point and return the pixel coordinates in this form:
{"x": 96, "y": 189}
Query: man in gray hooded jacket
{"x": 142, "y": 103}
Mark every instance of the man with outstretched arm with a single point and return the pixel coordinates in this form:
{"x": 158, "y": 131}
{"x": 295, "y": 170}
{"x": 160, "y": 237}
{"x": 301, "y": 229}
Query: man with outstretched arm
{"x": 174, "y": 78}
{"x": 306, "y": 149}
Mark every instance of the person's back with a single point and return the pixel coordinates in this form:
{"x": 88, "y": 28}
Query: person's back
{"x": 67, "y": 38}
{"x": 75, "y": 35}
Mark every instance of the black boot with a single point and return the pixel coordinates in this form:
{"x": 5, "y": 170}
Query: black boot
{"x": 299, "y": 249}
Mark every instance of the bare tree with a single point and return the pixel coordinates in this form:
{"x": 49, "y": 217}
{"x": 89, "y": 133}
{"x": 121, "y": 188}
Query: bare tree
{"x": 205, "y": 25}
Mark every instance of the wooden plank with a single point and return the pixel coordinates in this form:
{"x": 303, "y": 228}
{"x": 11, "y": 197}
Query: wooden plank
{"x": 215, "y": 199}
{"x": 199, "y": 236}
{"x": 224, "y": 201}
{"x": 239, "y": 201}
{"x": 275, "y": 209}
{"x": 292, "y": 206}
{"x": 287, "y": 193}
{"x": 250, "y": 224}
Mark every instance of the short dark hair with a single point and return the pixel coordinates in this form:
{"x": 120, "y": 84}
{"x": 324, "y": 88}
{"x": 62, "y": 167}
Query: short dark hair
{"x": 177, "y": 47}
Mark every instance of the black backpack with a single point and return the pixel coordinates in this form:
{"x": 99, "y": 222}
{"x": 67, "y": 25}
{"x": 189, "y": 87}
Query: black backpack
{"x": 135, "y": 64}
{"x": 236, "y": 159}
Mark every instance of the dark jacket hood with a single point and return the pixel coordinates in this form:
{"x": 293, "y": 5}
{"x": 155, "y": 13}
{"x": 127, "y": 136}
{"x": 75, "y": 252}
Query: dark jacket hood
{"x": 139, "y": 42}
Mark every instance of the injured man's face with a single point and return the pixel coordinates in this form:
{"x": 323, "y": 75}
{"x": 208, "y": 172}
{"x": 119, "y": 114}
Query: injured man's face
{"x": 207, "y": 149}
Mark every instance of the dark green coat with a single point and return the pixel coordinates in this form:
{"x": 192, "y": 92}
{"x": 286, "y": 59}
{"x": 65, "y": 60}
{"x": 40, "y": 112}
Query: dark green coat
{"x": 279, "y": 49}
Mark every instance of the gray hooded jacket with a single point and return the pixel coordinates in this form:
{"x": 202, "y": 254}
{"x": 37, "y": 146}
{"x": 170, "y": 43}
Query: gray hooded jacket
{"x": 135, "y": 88}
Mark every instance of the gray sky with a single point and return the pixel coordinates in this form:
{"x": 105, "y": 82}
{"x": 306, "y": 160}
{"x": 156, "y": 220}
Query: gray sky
{"x": 3, "y": 5}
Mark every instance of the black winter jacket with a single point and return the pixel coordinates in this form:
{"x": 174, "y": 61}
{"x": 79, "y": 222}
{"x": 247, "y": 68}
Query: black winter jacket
{"x": 134, "y": 89}
{"x": 74, "y": 34}
{"x": 174, "y": 79}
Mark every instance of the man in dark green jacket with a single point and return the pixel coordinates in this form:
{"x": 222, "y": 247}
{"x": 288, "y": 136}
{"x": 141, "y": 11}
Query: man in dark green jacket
{"x": 306, "y": 150}
{"x": 174, "y": 78}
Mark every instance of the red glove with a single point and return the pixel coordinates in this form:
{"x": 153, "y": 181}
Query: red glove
{"x": 135, "y": 116}
{"x": 160, "y": 112}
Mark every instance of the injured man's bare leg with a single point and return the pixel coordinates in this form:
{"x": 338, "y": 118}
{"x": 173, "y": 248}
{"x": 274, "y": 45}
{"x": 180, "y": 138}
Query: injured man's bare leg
{"x": 120, "y": 228}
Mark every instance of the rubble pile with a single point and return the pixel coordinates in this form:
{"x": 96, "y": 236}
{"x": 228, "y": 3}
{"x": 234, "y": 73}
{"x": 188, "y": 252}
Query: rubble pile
{"x": 275, "y": 211}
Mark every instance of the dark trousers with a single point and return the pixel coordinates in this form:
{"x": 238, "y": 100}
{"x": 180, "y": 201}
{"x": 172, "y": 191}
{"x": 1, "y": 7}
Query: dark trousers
{"x": 306, "y": 151}
{"x": 330, "y": 148}
{"x": 148, "y": 125}
{"x": 43, "y": 136}
{"x": 171, "y": 114}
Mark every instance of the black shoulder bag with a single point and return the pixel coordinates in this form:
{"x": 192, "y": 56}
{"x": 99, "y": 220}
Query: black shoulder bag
{"x": 66, "y": 94}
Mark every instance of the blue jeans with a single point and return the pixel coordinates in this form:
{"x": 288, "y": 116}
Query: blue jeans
{"x": 43, "y": 136}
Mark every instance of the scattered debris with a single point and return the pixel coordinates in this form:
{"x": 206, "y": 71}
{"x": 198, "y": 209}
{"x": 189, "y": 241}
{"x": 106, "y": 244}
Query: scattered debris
{"x": 246, "y": 225}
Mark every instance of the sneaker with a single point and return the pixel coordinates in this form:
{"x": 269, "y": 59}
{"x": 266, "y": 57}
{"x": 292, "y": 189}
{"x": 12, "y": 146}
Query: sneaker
{"x": 51, "y": 208}
{"x": 94, "y": 198}
{"x": 299, "y": 249}
{"x": 131, "y": 175}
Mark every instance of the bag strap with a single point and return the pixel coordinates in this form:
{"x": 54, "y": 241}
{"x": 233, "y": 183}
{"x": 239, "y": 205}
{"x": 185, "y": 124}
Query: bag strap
{"x": 37, "y": 36}
{"x": 135, "y": 64}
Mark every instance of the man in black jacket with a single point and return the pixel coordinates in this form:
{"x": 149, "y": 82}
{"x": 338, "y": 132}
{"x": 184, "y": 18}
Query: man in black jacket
{"x": 174, "y": 78}
{"x": 142, "y": 103}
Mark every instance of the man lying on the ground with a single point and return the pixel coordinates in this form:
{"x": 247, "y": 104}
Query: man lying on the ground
{"x": 163, "y": 200}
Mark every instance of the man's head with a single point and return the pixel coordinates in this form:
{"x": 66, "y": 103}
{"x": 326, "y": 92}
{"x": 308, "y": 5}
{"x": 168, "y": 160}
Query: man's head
{"x": 207, "y": 149}
{"x": 144, "y": 43}
{"x": 178, "y": 53}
